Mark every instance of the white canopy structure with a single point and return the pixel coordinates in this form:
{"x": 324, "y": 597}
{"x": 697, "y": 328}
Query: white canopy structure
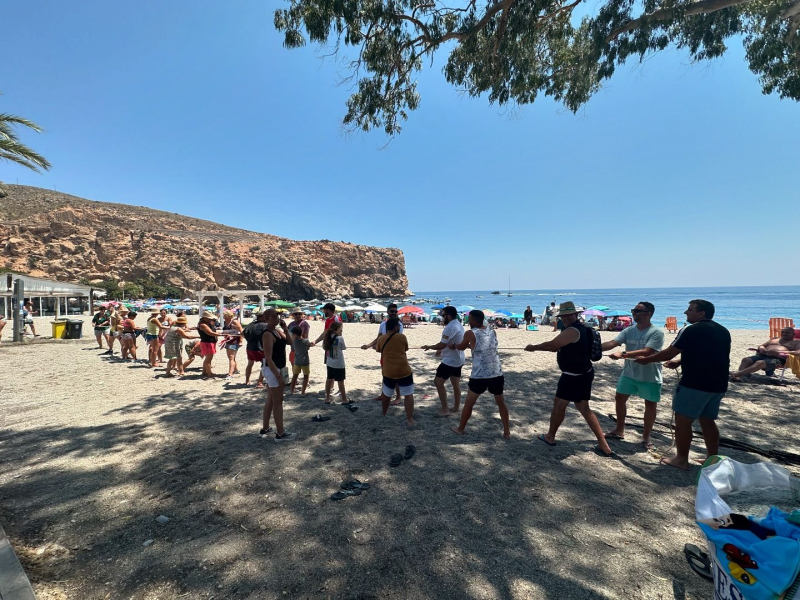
{"x": 220, "y": 295}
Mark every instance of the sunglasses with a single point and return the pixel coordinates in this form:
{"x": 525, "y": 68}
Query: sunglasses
{"x": 635, "y": 311}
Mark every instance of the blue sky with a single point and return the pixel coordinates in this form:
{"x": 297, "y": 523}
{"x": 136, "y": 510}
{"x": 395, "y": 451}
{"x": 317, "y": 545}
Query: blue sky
{"x": 673, "y": 175}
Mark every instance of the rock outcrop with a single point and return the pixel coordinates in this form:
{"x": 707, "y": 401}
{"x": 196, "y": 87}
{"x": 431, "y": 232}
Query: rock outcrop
{"x": 50, "y": 234}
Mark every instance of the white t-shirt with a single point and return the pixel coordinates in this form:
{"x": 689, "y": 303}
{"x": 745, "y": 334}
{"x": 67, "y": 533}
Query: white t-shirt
{"x": 453, "y": 333}
{"x": 382, "y": 328}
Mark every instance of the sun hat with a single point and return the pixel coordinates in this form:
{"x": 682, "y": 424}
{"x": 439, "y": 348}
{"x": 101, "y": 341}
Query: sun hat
{"x": 181, "y": 321}
{"x": 567, "y": 308}
{"x": 123, "y": 309}
{"x": 154, "y": 311}
{"x": 207, "y": 314}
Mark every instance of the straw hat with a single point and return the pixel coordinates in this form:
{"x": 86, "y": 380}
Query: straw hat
{"x": 567, "y": 308}
{"x": 181, "y": 321}
{"x": 155, "y": 311}
{"x": 207, "y": 314}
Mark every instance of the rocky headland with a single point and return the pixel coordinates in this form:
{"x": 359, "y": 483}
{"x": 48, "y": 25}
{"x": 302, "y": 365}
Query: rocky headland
{"x": 50, "y": 234}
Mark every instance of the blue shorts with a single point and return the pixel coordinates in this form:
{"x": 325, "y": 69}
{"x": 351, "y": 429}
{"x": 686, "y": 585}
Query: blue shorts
{"x": 647, "y": 390}
{"x": 149, "y": 338}
{"x": 695, "y": 403}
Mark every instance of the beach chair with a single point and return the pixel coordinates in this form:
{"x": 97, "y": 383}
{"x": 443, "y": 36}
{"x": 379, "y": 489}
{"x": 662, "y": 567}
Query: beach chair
{"x": 792, "y": 362}
{"x": 672, "y": 324}
{"x": 778, "y": 323}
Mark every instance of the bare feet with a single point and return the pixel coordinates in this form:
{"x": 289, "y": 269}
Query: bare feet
{"x": 395, "y": 403}
{"x": 455, "y": 409}
{"x": 443, "y": 413}
{"x": 455, "y": 429}
{"x": 507, "y": 435}
{"x": 411, "y": 423}
{"x": 377, "y": 399}
{"x": 678, "y": 463}
{"x": 648, "y": 445}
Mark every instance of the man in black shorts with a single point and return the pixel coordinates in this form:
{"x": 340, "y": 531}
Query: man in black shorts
{"x": 574, "y": 348}
{"x": 452, "y": 360}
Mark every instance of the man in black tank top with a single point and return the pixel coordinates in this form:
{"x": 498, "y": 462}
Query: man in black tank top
{"x": 574, "y": 348}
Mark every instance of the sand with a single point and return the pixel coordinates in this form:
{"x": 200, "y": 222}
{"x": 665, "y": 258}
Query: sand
{"x": 93, "y": 450}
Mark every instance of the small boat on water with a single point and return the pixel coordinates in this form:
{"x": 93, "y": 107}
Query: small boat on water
{"x": 496, "y": 293}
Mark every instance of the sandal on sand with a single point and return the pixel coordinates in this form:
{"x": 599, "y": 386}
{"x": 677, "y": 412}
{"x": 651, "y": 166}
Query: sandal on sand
{"x": 544, "y": 439}
{"x": 342, "y": 494}
{"x": 410, "y": 452}
{"x": 599, "y": 452}
{"x": 319, "y": 418}
{"x": 649, "y": 445}
{"x": 354, "y": 484}
{"x": 395, "y": 460}
{"x": 613, "y": 436}
{"x": 350, "y": 406}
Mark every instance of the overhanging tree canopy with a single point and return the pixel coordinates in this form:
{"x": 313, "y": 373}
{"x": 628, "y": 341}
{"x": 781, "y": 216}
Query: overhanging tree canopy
{"x": 514, "y": 50}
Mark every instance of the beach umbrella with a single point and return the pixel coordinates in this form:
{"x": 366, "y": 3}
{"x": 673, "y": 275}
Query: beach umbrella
{"x": 515, "y": 316}
{"x": 618, "y": 313}
{"x": 598, "y": 307}
{"x": 351, "y": 308}
{"x": 438, "y": 307}
{"x": 464, "y": 308}
{"x": 491, "y": 313}
{"x": 375, "y": 307}
{"x": 592, "y": 312}
{"x": 505, "y": 312}
{"x": 411, "y": 309}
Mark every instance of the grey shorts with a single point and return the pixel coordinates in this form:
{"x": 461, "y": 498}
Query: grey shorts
{"x": 696, "y": 403}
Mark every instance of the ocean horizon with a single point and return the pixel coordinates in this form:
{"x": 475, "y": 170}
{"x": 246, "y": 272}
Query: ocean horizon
{"x": 737, "y": 307}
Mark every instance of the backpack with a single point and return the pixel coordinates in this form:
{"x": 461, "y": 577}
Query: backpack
{"x": 596, "y": 344}
{"x": 250, "y": 334}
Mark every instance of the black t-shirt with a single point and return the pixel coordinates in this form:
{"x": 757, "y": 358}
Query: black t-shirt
{"x": 257, "y": 330}
{"x": 705, "y": 356}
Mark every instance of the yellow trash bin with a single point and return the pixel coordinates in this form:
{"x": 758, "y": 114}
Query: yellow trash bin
{"x": 59, "y": 329}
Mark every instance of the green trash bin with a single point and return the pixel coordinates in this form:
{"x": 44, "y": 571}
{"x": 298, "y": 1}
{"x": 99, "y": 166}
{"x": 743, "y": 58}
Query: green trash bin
{"x": 74, "y": 329}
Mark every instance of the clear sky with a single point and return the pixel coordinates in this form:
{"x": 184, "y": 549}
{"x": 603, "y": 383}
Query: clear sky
{"x": 673, "y": 175}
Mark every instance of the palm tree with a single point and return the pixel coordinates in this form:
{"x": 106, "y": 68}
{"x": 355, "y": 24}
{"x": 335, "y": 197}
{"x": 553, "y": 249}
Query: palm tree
{"x": 12, "y": 150}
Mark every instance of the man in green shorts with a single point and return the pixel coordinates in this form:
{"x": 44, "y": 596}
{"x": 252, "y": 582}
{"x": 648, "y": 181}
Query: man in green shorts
{"x": 641, "y": 339}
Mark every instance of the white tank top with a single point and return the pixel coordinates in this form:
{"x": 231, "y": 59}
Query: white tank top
{"x": 485, "y": 359}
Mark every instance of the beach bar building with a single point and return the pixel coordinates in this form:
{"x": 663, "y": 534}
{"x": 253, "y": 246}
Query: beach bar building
{"x": 49, "y": 297}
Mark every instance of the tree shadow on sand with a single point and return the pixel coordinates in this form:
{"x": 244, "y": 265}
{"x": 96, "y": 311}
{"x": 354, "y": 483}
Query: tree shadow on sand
{"x": 471, "y": 517}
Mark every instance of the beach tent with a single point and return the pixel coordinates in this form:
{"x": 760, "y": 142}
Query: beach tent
{"x": 411, "y": 309}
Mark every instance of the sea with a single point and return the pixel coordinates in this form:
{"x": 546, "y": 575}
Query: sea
{"x": 736, "y": 307}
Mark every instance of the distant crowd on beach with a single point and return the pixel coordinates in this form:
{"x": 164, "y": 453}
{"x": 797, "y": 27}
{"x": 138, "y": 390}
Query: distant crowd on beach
{"x": 701, "y": 350}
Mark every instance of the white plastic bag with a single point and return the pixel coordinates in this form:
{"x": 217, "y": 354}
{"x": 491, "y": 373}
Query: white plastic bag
{"x": 725, "y": 477}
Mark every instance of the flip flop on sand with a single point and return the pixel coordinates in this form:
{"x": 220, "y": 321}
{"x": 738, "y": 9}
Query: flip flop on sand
{"x": 396, "y": 460}
{"x": 319, "y": 418}
{"x": 614, "y": 436}
{"x": 599, "y": 452}
{"x": 350, "y": 406}
{"x": 648, "y": 445}
{"x": 354, "y": 484}
{"x": 544, "y": 439}
{"x": 342, "y": 494}
{"x": 410, "y": 451}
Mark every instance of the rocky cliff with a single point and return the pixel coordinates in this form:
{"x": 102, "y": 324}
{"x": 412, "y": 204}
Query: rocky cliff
{"x": 50, "y": 234}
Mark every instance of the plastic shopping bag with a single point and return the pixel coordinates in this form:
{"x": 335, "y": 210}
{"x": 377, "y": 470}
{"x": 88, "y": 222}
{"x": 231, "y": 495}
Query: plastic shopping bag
{"x": 749, "y": 561}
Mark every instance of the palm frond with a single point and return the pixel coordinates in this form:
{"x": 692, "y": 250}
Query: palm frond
{"x": 13, "y": 151}
{"x": 15, "y": 120}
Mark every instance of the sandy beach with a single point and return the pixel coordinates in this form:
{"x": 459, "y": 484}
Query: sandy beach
{"x": 93, "y": 450}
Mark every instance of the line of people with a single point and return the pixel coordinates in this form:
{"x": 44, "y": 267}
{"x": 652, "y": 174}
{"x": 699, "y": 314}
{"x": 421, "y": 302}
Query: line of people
{"x": 704, "y": 348}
